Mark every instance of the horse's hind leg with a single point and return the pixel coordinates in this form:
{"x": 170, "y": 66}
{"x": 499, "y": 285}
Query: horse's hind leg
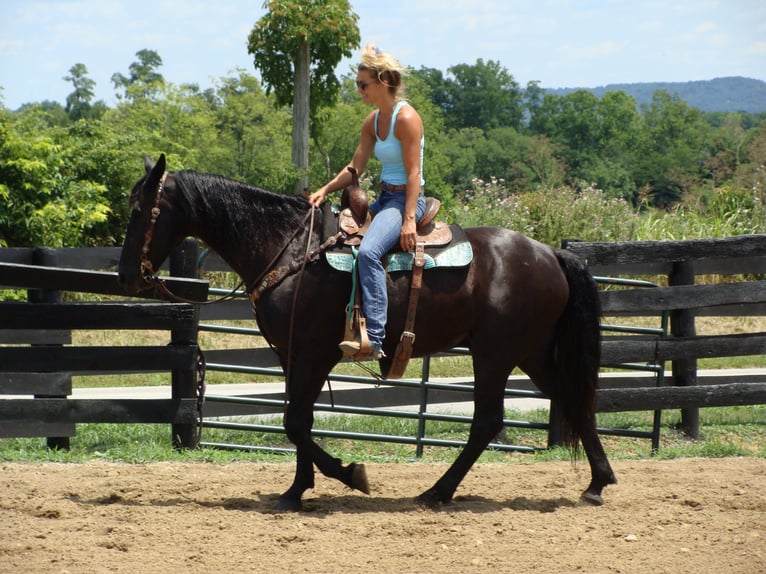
{"x": 544, "y": 376}
{"x": 487, "y": 423}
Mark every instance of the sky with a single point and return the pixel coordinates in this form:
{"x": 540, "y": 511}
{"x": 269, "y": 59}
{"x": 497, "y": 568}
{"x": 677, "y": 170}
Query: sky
{"x": 559, "y": 43}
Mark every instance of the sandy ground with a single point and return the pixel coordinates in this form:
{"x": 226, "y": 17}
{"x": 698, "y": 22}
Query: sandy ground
{"x": 682, "y": 516}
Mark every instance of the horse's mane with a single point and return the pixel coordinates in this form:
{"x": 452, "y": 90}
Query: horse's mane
{"x": 235, "y": 208}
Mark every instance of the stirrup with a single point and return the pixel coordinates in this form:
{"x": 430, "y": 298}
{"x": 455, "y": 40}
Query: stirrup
{"x": 350, "y": 348}
{"x": 354, "y": 350}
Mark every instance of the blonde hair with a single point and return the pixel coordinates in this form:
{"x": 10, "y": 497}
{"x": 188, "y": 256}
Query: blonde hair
{"x": 384, "y": 67}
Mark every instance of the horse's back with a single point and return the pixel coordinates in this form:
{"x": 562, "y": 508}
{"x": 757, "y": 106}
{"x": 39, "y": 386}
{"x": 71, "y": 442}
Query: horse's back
{"x": 513, "y": 289}
{"x": 503, "y": 257}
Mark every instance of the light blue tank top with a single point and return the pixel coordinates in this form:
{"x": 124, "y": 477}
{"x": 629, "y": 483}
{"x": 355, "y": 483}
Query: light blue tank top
{"x": 389, "y": 152}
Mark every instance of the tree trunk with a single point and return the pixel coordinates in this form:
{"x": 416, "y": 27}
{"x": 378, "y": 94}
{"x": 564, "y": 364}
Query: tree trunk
{"x": 301, "y": 103}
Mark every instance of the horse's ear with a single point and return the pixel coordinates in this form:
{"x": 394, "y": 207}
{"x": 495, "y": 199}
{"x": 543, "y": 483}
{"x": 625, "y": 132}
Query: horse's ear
{"x": 149, "y": 164}
{"x": 153, "y": 176}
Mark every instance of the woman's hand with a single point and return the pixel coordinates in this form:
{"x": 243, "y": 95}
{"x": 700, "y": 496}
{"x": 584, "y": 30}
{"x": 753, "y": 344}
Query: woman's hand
{"x": 408, "y": 236}
{"x": 317, "y": 197}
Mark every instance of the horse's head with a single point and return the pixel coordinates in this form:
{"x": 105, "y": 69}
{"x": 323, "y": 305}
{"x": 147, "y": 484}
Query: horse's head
{"x": 155, "y": 227}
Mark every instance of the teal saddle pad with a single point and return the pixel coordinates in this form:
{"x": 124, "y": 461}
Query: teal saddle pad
{"x": 457, "y": 253}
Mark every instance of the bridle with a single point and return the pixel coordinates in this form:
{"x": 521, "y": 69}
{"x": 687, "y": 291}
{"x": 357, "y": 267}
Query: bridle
{"x": 148, "y": 272}
{"x": 147, "y": 269}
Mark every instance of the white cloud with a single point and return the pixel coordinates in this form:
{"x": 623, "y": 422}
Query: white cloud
{"x": 758, "y": 48}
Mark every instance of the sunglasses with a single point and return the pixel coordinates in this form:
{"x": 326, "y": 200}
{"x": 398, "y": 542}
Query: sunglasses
{"x": 363, "y": 85}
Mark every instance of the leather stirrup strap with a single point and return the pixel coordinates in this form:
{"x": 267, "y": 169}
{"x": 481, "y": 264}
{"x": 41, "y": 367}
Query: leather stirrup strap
{"x": 407, "y": 340}
{"x": 356, "y": 324}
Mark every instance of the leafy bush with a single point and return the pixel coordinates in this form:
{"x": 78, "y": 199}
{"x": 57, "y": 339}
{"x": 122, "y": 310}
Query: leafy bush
{"x": 549, "y": 215}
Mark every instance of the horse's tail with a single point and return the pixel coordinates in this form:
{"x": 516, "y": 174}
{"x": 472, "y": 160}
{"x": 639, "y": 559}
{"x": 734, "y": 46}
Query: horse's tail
{"x": 577, "y": 350}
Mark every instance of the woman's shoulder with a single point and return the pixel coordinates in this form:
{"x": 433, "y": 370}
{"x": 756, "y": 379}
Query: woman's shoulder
{"x": 407, "y": 110}
{"x": 408, "y": 116}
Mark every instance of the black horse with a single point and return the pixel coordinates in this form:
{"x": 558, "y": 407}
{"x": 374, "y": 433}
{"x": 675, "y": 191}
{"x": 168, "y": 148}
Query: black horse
{"x": 519, "y": 303}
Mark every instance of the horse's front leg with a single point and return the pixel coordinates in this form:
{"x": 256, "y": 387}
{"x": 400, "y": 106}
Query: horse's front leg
{"x": 299, "y": 420}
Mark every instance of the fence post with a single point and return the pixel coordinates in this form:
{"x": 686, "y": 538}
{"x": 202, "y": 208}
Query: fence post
{"x": 183, "y": 263}
{"x": 46, "y": 257}
{"x": 425, "y": 376}
{"x": 682, "y": 325}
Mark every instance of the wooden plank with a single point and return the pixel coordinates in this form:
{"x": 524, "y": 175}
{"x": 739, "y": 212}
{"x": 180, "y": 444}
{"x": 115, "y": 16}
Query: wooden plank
{"x": 36, "y": 384}
{"x": 704, "y": 346}
{"x": 25, "y": 429}
{"x": 648, "y": 300}
{"x": 100, "y": 410}
{"x": 644, "y": 269}
{"x": 102, "y": 282}
{"x": 87, "y": 360}
{"x": 728, "y": 266}
{"x": 674, "y": 348}
{"x": 751, "y": 309}
{"x": 23, "y": 255}
{"x": 102, "y": 258}
{"x": 159, "y": 316}
{"x": 33, "y": 336}
{"x": 632, "y": 252}
{"x": 653, "y": 398}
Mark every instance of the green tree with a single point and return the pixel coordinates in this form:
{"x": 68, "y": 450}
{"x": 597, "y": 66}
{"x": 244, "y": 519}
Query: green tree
{"x": 438, "y": 87}
{"x": 44, "y": 201}
{"x": 483, "y": 95}
{"x": 751, "y": 170}
{"x": 296, "y": 46}
{"x": 502, "y": 155}
{"x": 594, "y": 138}
{"x": 671, "y": 152}
{"x": 253, "y": 142}
{"x": 144, "y": 80}
{"x": 728, "y": 146}
{"x": 78, "y": 103}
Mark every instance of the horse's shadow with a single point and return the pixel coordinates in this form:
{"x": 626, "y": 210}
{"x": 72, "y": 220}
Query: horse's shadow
{"x": 357, "y": 504}
{"x": 348, "y": 504}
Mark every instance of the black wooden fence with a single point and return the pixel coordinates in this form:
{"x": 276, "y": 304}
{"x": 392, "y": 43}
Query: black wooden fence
{"x": 44, "y": 368}
{"x": 740, "y": 260}
{"x": 36, "y": 358}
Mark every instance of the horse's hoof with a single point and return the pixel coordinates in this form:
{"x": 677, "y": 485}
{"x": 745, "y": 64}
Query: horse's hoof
{"x": 591, "y": 499}
{"x": 430, "y": 499}
{"x": 288, "y": 505}
{"x": 359, "y": 478}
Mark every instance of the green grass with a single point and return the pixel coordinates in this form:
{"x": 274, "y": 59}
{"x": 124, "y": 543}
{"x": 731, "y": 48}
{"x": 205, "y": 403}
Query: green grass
{"x": 725, "y": 431}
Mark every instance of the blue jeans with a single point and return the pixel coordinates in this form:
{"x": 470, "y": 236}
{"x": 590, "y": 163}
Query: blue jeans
{"x": 381, "y": 237}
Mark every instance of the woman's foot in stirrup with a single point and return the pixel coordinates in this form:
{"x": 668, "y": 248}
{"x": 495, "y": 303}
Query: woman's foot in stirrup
{"x": 350, "y": 348}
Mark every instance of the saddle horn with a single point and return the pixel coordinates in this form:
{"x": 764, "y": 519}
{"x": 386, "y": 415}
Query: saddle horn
{"x": 355, "y": 199}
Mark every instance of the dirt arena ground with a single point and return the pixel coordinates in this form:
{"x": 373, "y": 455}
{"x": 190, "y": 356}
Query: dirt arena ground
{"x": 681, "y": 516}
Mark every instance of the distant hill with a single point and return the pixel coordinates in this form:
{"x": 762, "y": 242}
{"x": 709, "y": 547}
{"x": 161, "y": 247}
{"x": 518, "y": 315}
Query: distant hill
{"x": 734, "y": 94}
